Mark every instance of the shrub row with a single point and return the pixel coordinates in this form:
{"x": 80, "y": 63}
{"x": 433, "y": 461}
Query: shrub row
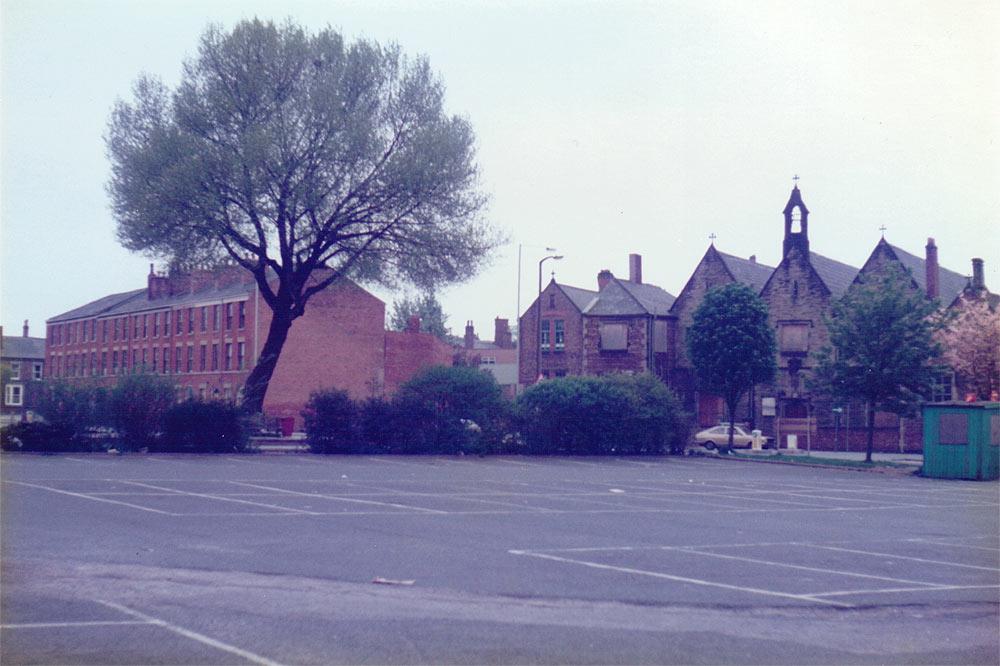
{"x": 462, "y": 410}
{"x": 441, "y": 410}
{"x": 138, "y": 412}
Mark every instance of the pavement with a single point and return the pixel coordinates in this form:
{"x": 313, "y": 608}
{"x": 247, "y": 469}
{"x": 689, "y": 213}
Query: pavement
{"x": 188, "y": 559}
{"x": 914, "y": 459}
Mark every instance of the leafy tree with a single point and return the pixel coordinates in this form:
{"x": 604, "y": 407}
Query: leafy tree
{"x": 138, "y": 404}
{"x": 971, "y": 346}
{"x": 303, "y": 159}
{"x": 433, "y": 320}
{"x": 731, "y": 345}
{"x": 882, "y": 348}
{"x": 451, "y": 410}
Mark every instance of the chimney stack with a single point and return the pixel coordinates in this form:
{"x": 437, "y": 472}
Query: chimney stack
{"x": 931, "y": 265}
{"x": 978, "y": 278}
{"x": 635, "y": 268}
{"x": 753, "y": 258}
{"x": 603, "y": 278}
{"x": 470, "y": 335}
{"x": 501, "y": 333}
{"x": 25, "y": 330}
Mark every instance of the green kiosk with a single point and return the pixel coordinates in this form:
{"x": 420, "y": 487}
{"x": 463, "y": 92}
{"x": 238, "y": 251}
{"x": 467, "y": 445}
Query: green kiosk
{"x": 962, "y": 440}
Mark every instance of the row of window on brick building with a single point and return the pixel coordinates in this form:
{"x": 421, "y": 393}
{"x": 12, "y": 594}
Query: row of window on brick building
{"x": 151, "y": 359}
{"x": 152, "y": 324}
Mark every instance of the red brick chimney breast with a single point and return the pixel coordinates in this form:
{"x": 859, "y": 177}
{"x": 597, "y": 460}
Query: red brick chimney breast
{"x": 635, "y": 268}
{"x": 603, "y": 278}
{"x": 978, "y": 277}
{"x": 931, "y": 264}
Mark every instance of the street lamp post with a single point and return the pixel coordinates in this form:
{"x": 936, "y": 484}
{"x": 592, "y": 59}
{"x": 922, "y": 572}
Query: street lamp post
{"x": 538, "y": 315}
{"x": 517, "y": 314}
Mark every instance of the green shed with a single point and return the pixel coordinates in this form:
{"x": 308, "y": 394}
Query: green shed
{"x": 962, "y": 440}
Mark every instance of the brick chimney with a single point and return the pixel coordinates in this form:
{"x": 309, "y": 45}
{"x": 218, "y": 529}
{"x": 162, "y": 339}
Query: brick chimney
{"x": 931, "y": 264}
{"x": 501, "y": 333}
{"x": 25, "y": 329}
{"x": 603, "y": 278}
{"x": 978, "y": 278}
{"x": 157, "y": 286}
{"x": 413, "y": 324}
{"x": 635, "y": 268}
{"x": 753, "y": 258}
{"x": 470, "y": 335}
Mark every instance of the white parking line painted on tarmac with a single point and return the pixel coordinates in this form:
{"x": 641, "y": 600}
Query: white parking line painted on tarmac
{"x": 90, "y": 497}
{"x": 903, "y": 557}
{"x": 892, "y": 590}
{"x": 679, "y": 579}
{"x": 955, "y": 545}
{"x": 64, "y": 625}
{"x": 193, "y": 635}
{"x": 220, "y": 498}
{"x": 802, "y": 567}
{"x": 337, "y": 497}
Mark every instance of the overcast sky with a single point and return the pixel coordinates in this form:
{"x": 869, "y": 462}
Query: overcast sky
{"x": 604, "y": 128}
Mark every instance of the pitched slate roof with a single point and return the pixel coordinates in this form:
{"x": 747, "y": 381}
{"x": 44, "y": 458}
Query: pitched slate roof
{"x": 950, "y": 283}
{"x": 748, "y": 272}
{"x": 137, "y": 301}
{"x": 622, "y": 297}
{"x": 22, "y": 347}
{"x": 581, "y": 298}
{"x": 837, "y": 276}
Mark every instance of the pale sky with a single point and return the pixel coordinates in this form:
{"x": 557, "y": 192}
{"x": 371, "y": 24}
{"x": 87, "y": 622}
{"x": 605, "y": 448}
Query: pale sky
{"x": 603, "y": 128}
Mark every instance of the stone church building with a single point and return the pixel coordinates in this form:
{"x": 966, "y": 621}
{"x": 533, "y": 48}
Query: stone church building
{"x": 629, "y": 326}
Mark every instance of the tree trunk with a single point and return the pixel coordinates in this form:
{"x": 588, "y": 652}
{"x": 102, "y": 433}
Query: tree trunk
{"x": 256, "y": 385}
{"x": 871, "y": 431}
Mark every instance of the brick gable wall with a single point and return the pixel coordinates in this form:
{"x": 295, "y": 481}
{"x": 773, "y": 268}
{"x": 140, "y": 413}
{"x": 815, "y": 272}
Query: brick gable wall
{"x": 554, "y": 305}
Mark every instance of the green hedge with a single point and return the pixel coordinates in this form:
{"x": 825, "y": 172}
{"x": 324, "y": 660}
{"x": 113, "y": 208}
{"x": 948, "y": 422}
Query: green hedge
{"x": 442, "y": 410}
{"x": 617, "y": 414}
{"x": 202, "y": 427}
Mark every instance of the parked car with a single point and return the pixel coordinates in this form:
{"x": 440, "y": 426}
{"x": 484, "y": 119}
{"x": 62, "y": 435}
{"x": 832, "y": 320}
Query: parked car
{"x": 717, "y": 437}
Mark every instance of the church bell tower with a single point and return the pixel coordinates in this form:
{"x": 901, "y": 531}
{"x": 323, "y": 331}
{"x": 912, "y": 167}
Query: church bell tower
{"x": 796, "y": 223}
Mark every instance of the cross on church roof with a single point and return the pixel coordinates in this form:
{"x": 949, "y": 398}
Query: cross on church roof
{"x": 712, "y": 237}
{"x": 882, "y": 229}
{"x": 796, "y": 179}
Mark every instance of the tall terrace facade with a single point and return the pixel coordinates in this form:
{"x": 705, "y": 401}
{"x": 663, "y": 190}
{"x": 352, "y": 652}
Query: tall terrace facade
{"x": 205, "y": 330}
{"x": 23, "y": 361}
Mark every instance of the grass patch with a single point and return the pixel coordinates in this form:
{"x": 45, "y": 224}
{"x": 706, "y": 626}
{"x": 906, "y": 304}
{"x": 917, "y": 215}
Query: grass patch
{"x": 832, "y": 462}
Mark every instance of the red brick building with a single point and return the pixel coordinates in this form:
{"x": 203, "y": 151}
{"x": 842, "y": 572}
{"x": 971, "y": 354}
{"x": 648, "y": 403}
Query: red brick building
{"x": 205, "y": 330}
{"x": 623, "y": 326}
{"x": 410, "y": 351}
{"x": 497, "y": 356}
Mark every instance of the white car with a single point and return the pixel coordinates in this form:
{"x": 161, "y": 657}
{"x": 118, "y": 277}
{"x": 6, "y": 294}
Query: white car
{"x": 717, "y": 437}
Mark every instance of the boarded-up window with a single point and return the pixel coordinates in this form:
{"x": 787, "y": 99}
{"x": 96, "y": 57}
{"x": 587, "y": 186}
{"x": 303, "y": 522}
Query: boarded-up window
{"x": 794, "y": 337}
{"x": 614, "y": 337}
{"x": 953, "y": 429}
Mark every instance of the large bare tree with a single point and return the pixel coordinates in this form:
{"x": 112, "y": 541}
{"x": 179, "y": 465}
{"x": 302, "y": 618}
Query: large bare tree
{"x": 304, "y": 159}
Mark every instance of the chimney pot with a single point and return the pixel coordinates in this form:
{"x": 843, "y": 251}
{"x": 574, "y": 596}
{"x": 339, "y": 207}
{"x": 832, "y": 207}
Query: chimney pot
{"x": 931, "y": 266}
{"x": 635, "y": 268}
{"x": 753, "y": 258}
{"x": 470, "y": 335}
{"x": 603, "y": 278}
{"x": 26, "y": 321}
{"x": 978, "y": 277}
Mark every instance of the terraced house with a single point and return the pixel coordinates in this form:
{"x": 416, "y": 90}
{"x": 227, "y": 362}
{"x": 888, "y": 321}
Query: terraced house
{"x": 204, "y": 329}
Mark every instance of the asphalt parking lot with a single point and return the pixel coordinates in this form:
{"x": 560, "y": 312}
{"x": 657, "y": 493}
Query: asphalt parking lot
{"x": 273, "y": 560}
